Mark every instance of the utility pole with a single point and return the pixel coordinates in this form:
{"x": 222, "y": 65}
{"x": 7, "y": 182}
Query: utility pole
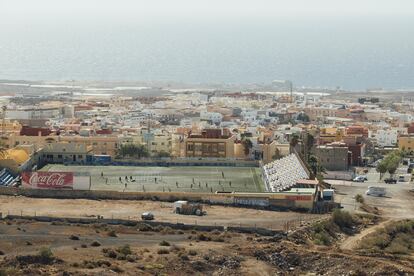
{"x": 4, "y": 108}
{"x": 291, "y": 91}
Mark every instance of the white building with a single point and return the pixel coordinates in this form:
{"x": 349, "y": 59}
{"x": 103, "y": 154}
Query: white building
{"x": 249, "y": 115}
{"x": 214, "y": 117}
{"x": 387, "y": 137}
{"x": 198, "y": 98}
{"x": 33, "y": 113}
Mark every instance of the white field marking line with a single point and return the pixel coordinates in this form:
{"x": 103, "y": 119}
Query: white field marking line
{"x": 251, "y": 173}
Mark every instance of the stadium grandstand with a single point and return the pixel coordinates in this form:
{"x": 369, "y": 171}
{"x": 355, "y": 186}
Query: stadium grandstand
{"x": 283, "y": 174}
{"x": 7, "y": 178}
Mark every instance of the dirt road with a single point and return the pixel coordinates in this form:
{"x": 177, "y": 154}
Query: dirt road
{"x": 216, "y": 215}
{"x": 352, "y": 241}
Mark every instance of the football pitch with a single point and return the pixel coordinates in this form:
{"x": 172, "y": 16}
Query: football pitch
{"x": 175, "y": 179}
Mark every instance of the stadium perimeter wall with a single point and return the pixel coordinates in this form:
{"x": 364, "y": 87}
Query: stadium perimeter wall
{"x": 272, "y": 201}
{"x": 166, "y": 162}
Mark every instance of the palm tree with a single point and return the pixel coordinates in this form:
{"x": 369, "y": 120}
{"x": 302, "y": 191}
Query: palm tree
{"x": 3, "y": 150}
{"x": 315, "y": 166}
{"x": 247, "y": 144}
{"x": 382, "y": 168}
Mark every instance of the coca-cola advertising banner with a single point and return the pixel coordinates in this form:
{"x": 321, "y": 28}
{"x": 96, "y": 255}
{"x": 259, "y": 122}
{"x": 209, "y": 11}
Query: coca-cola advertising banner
{"x": 47, "y": 180}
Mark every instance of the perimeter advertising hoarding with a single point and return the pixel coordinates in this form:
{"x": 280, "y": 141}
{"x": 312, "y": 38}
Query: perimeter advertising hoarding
{"x": 47, "y": 180}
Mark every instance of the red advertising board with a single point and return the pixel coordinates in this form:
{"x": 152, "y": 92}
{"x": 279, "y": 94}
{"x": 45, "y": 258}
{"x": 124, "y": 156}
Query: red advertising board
{"x": 47, "y": 180}
{"x": 299, "y": 197}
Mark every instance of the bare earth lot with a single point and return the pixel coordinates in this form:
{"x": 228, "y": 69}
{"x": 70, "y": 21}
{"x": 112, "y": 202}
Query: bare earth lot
{"x": 90, "y": 250}
{"x": 216, "y": 215}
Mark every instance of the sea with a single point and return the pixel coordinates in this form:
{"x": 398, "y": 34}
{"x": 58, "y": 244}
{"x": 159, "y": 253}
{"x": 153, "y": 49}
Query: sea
{"x": 351, "y": 53}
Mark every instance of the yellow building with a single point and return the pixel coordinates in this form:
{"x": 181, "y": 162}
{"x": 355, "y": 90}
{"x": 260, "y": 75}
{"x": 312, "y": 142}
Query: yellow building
{"x": 329, "y": 135}
{"x": 10, "y": 127}
{"x": 315, "y": 113}
{"x": 15, "y": 139}
{"x": 177, "y": 145}
{"x": 406, "y": 142}
{"x": 274, "y": 151}
{"x": 16, "y": 160}
{"x": 65, "y": 152}
{"x": 160, "y": 143}
{"x": 155, "y": 142}
{"x": 106, "y": 145}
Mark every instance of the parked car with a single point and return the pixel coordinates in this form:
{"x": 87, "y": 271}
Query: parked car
{"x": 360, "y": 178}
{"x": 376, "y": 191}
{"x": 390, "y": 181}
{"x": 375, "y": 164}
{"x": 147, "y": 216}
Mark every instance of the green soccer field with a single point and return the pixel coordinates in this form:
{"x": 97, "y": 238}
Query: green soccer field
{"x": 184, "y": 179}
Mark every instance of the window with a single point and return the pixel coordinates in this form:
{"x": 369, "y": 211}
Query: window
{"x": 60, "y": 156}
{"x": 80, "y": 156}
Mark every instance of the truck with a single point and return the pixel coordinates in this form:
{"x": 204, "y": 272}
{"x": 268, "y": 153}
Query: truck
{"x": 183, "y": 207}
{"x": 376, "y": 191}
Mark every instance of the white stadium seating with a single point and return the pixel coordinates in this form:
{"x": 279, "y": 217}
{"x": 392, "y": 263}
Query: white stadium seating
{"x": 282, "y": 174}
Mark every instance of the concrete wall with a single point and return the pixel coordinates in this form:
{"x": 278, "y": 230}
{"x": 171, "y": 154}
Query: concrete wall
{"x": 185, "y": 162}
{"x": 333, "y": 158}
{"x": 252, "y": 200}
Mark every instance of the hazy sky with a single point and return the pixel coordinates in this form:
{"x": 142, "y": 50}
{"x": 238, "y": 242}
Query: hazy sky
{"x": 16, "y": 10}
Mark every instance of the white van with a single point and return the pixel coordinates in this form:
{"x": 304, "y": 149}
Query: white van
{"x": 376, "y": 191}
{"x": 404, "y": 177}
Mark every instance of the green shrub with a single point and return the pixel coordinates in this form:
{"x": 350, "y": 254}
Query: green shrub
{"x": 45, "y": 254}
{"x": 164, "y": 243}
{"x": 202, "y": 237}
{"x": 95, "y": 244}
{"x": 397, "y": 248}
{"x": 359, "y": 198}
{"x": 322, "y": 238}
{"x": 163, "y": 251}
{"x": 125, "y": 250}
{"x": 342, "y": 218}
{"x": 192, "y": 252}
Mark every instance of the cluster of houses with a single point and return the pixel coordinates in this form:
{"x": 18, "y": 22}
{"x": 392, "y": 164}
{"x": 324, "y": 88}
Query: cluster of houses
{"x": 211, "y": 125}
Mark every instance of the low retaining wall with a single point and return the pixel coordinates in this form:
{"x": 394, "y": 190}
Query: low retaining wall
{"x": 254, "y": 200}
{"x": 177, "y": 226}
